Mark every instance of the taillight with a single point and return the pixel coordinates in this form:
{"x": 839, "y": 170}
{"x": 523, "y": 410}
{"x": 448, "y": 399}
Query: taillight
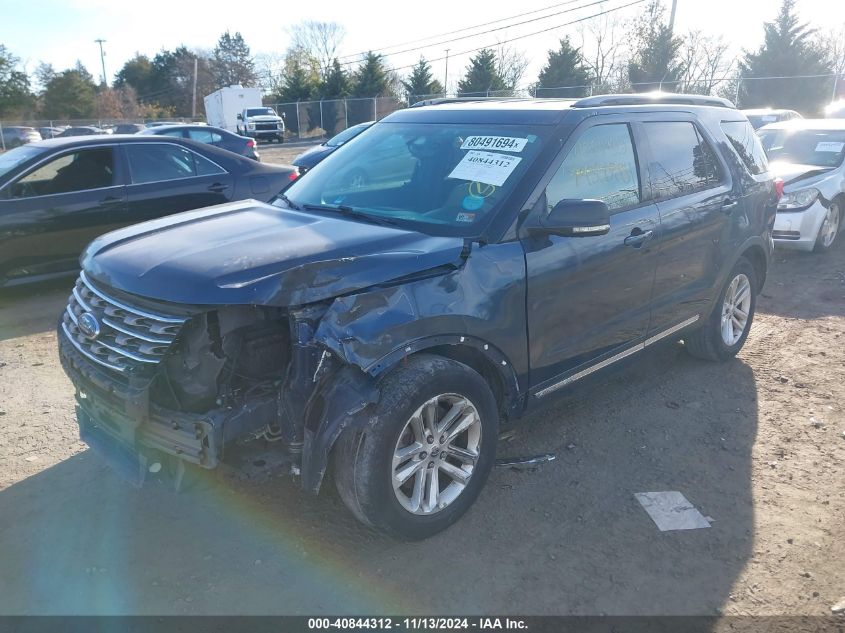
{"x": 250, "y": 143}
{"x": 779, "y": 188}
{"x": 293, "y": 176}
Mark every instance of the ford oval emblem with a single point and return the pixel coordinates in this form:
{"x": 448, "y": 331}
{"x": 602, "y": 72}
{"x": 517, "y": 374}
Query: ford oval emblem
{"x": 89, "y": 325}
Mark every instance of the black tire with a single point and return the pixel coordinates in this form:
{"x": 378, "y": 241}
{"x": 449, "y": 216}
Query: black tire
{"x": 363, "y": 461}
{"x": 707, "y": 342}
{"x": 820, "y": 247}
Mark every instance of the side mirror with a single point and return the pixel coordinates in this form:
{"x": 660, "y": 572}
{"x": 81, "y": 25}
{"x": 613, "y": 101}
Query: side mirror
{"x": 240, "y": 117}
{"x": 577, "y": 218}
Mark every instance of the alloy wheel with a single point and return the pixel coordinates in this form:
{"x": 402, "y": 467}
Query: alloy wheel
{"x": 436, "y": 454}
{"x": 735, "y": 309}
{"x": 830, "y": 226}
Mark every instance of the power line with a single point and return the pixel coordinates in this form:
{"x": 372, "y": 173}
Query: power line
{"x": 519, "y": 37}
{"x": 500, "y": 28}
{"x": 467, "y": 28}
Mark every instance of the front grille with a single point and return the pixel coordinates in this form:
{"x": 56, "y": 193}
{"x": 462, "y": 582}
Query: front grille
{"x": 129, "y": 339}
{"x": 266, "y": 126}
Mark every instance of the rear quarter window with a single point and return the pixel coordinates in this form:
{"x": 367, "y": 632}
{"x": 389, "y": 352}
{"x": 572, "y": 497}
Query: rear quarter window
{"x": 746, "y": 143}
{"x": 682, "y": 161}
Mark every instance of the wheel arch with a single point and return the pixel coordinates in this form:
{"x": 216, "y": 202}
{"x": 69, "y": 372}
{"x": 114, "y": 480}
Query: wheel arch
{"x": 757, "y": 256}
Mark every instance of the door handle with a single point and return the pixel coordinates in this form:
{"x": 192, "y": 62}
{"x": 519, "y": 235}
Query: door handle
{"x": 638, "y": 237}
{"x": 218, "y": 187}
{"x": 110, "y": 201}
{"x": 728, "y": 205}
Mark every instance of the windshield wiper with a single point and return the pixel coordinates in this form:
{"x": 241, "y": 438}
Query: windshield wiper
{"x": 350, "y": 212}
{"x": 289, "y": 202}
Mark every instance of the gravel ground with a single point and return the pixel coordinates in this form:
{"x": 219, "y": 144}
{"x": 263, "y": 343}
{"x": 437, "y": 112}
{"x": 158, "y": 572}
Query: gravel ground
{"x": 757, "y": 444}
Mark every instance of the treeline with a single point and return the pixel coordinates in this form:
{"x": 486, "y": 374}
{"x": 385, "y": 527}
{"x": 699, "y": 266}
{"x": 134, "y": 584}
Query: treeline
{"x": 604, "y": 55}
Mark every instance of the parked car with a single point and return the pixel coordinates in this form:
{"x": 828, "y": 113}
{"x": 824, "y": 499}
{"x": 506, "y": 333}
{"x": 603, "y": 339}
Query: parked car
{"x": 128, "y": 128}
{"x": 50, "y": 132}
{"x": 808, "y": 156}
{"x": 82, "y": 130}
{"x": 763, "y": 116}
{"x": 395, "y": 329}
{"x": 210, "y": 135}
{"x": 15, "y": 136}
{"x": 835, "y": 110}
{"x": 313, "y": 155}
{"x": 57, "y": 195}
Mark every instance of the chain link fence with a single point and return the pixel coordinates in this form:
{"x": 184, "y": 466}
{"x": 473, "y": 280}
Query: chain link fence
{"x": 312, "y": 120}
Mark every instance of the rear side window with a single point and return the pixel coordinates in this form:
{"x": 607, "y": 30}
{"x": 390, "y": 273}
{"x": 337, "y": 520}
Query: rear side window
{"x": 682, "y": 161}
{"x": 204, "y": 136}
{"x": 600, "y": 166}
{"x": 156, "y": 162}
{"x": 747, "y": 144}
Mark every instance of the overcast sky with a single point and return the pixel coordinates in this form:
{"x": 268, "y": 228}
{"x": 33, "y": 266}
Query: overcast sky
{"x": 62, "y": 31}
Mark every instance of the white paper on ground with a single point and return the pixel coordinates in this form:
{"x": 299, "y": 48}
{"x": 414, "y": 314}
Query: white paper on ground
{"x": 670, "y": 510}
{"x": 487, "y": 167}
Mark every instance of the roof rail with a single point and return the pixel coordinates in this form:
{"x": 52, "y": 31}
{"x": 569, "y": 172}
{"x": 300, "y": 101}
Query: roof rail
{"x": 647, "y": 98}
{"x": 441, "y": 100}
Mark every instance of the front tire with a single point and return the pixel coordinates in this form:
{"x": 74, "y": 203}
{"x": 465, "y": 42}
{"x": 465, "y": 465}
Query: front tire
{"x": 421, "y": 462}
{"x": 725, "y": 330}
{"x": 830, "y": 228}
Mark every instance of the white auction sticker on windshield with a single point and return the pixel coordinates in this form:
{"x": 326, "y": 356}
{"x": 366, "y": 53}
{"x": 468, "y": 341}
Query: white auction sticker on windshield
{"x": 829, "y": 146}
{"x": 486, "y": 167}
{"x": 503, "y": 143}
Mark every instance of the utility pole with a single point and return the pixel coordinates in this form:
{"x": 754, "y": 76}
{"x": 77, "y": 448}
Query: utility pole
{"x": 672, "y": 17}
{"x": 194, "y": 98}
{"x": 446, "y": 77}
{"x": 103, "y": 60}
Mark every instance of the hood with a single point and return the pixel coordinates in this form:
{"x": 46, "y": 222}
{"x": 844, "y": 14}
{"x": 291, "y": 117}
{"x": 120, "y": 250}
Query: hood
{"x": 793, "y": 172}
{"x": 313, "y": 155}
{"x": 252, "y": 253}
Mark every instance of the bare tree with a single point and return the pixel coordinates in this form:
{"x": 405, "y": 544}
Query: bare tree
{"x": 511, "y": 65}
{"x": 270, "y": 71}
{"x": 320, "y": 39}
{"x": 602, "y": 49}
{"x": 833, "y": 43}
{"x": 705, "y": 62}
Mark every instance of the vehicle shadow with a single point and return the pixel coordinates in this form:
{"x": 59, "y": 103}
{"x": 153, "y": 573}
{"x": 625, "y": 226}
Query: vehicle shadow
{"x": 567, "y": 538}
{"x": 33, "y": 308}
{"x": 806, "y": 285}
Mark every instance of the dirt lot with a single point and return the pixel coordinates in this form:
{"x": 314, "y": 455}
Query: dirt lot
{"x": 758, "y": 444}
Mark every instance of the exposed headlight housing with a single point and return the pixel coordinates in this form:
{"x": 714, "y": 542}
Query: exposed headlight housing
{"x": 798, "y": 200}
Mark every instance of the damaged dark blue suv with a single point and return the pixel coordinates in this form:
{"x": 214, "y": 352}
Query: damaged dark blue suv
{"x": 389, "y": 326}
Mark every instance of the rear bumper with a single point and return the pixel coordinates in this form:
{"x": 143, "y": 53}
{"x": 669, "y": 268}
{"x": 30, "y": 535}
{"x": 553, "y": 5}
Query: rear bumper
{"x": 798, "y": 230}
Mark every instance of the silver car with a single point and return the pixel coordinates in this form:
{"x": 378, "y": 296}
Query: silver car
{"x": 808, "y": 155}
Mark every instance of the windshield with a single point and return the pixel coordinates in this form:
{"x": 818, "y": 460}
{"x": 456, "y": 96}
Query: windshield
{"x": 447, "y": 179}
{"x": 15, "y": 157}
{"x": 347, "y": 135}
{"x": 260, "y": 112}
{"x": 759, "y": 120}
{"x": 824, "y": 148}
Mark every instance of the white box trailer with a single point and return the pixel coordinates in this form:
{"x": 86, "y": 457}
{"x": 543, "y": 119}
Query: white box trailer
{"x": 239, "y": 110}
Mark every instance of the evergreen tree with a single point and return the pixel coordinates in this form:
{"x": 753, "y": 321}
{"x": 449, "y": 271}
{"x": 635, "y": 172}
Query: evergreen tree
{"x": 420, "y": 83}
{"x": 298, "y": 84}
{"x": 136, "y": 72}
{"x": 481, "y": 76}
{"x": 564, "y": 67}
{"x": 335, "y": 84}
{"x": 70, "y": 94}
{"x": 789, "y": 48}
{"x": 231, "y": 61}
{"x": 15, "y": 93}
{"x": 655, "y": 51}
{"x": 371, "y": 79}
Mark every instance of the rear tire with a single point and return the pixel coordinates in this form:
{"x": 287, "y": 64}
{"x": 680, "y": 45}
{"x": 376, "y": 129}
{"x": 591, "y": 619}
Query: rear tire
{"x": 721, "y": 338}
{"x": 402, "y": 474}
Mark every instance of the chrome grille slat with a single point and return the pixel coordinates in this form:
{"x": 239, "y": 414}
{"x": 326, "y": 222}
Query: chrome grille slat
{"x": 129, "y": 337}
